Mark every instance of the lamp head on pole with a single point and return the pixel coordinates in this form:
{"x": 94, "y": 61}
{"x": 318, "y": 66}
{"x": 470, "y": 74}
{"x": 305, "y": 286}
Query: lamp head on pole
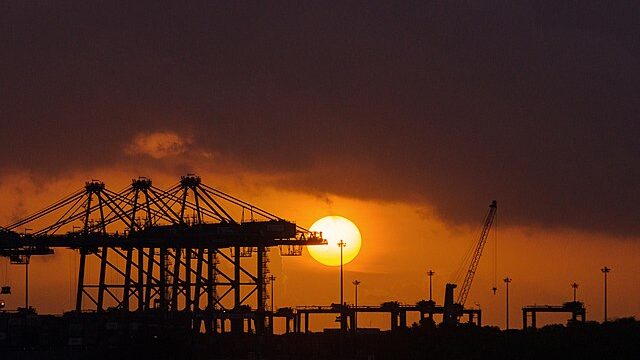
{"x": 605, "y": 269}
{"x": 356, "y": 282}
{"x": 507, "y": 280}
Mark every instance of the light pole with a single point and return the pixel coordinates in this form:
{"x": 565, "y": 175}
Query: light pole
{"x": 575, "y": 288}
{"x": 26, "y": 274}
{"x": 27, "y": 259}
{"x": 341, "y": 244}
{"x": 343, "y": 323}
{"x": 430, "y": 273}
{"x": 605, "y": 270}
{"x": 272, "y": 279}
{"x": 355, "y": 311}
{"x": 507, "y": 280}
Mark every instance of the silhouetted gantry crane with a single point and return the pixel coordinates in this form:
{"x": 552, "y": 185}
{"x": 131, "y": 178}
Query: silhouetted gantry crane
{"x": 187, "y": 249}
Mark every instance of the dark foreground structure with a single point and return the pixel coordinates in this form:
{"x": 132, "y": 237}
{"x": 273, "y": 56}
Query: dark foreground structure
{"x": 131, "y": 336}
{"x": 188, "y": 249}
{"x": 190, "y": 255}
{"x": 194, "y": 286}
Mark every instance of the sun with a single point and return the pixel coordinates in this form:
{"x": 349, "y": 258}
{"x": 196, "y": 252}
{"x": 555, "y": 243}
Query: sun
{"x": 334, "y": 229}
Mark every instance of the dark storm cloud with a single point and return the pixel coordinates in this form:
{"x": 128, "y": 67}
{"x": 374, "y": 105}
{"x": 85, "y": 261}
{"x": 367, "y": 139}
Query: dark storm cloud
{"x": 532, "y": 103}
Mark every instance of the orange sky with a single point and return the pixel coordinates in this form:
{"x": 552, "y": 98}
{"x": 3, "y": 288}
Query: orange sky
{"x": 407, "y": 117}
{"x": 400, "y": 242}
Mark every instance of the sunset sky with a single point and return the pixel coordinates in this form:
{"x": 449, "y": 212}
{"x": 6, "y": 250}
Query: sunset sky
{"x": 407, "y": 118}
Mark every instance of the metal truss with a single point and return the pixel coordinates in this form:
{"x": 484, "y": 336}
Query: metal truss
{"x": 184, "y": 249}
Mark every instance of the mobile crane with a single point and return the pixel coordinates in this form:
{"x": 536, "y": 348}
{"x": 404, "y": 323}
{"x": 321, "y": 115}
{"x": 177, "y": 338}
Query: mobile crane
{"x": 453, "y": 310}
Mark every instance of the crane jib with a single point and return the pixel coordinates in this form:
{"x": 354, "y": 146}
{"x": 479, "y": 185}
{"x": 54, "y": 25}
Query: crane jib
{"x": 475, "y": 260}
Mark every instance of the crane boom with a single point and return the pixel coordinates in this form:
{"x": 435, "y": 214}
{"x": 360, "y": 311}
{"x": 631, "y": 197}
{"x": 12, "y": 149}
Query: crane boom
{"x": 475, "y": 260}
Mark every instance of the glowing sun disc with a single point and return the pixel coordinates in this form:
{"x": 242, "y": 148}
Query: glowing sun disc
{"x": 334, "y": 229}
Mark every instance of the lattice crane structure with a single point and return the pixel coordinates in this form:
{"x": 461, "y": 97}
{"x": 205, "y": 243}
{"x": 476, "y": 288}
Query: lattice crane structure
{"x": 186, "y": 249}
{"x": 452, "y": 311}
{"x": 477, "y": 253}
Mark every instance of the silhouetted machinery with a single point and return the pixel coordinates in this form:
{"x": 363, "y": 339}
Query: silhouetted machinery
{"x": 453, "y": 310}
{"x": 575, "y": 308}
{"x": 187, "y": 249}
{"x": 4, "y": 290}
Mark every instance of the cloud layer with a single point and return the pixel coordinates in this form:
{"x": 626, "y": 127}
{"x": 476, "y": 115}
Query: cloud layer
{"x": 158, "y": 145}
{"x": 533, "y": 104}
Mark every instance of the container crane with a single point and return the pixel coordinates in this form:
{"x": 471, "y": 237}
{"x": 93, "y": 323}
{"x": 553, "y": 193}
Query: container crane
{"x": 454, "y": 310}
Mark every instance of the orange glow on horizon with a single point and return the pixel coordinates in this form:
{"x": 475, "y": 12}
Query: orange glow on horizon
{"x": 402, "y": 243}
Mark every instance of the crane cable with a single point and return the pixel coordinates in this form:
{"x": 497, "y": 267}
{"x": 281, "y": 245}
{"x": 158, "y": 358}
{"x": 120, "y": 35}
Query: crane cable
{"x": 495, "y": 254}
